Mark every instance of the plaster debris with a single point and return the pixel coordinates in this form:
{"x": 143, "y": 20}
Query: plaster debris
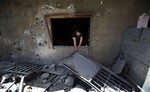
{"x": 40, "y": 40}
{"x": 71, "y": 6}
{"x": 59, "y": 91}
{"x": 49, "y": 7}
{"x": 42, "y": 11}
{"x": 53, "y": 67}
{"x": 78, "y": 88}
{"x": 98, "y": 15}
{"x": 33, "y": 80}
{"x": 22, "y": 44}
{"x": 101, "y": 2}
{"x": 6, "y": 76}
{"x": 14, "y": 72}
{"x": 69, "y": 81}
{"x": 27, "y": 77}
{"x": 92, "y": 90}
{"x": 27, "y": 32}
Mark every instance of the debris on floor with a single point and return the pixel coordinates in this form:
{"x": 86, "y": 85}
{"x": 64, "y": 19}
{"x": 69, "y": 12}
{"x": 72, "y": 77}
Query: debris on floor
{"x": 95, "y": 75}
{"x": 27, "y": 77}
{"x": 75, "y": 73}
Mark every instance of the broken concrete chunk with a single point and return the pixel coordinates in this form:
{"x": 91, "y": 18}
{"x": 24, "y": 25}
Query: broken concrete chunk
{"x": 44, "y": 81}
{"x": 34, "y": 89}
{"x": 59, "y": 91}
{"x": 53, "y": 67}
{"x": 69, "y": 81}
{"x": 6, "y": 76}
{"x": 58, "y": 70}
{"x": 71, "y": 6}
{"x": 78, "y": 88}
{"x": 45, "y": 76}
{"x": 8, "y": 87}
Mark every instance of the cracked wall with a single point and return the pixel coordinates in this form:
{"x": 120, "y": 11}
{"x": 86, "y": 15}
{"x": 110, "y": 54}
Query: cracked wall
{"x": 24, "y": 36}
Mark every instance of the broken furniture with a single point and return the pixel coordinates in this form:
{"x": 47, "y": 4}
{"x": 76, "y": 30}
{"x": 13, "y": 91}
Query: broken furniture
{"x": 95, "y": 75}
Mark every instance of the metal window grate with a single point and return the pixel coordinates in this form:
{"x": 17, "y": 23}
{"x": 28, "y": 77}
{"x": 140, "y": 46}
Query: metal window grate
{"x": 24, "y": 68}
{"x": 104, "y": 79}
{"x": 96, "y": 75}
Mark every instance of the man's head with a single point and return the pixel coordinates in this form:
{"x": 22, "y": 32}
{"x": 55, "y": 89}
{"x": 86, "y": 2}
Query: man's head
{"x": 78, "y": 32}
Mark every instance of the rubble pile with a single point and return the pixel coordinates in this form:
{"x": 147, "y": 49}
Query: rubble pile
{"x": 51, "y": 78}
{"x": 75, "y": 73}
{"x": 47, "y": 78}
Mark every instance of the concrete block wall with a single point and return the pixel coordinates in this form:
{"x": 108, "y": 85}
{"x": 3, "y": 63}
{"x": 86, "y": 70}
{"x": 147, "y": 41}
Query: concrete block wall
{"x": 136, "y": 46}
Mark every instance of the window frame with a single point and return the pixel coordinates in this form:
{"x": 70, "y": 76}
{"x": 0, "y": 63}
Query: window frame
{"x": 48, "y": 23}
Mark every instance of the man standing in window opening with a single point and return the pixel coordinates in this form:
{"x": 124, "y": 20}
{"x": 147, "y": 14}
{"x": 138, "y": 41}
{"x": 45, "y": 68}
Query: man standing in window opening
{"x": 77, "y": 39}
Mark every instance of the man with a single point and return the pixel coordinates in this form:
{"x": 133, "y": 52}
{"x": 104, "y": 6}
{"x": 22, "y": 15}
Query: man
{"x": 77, "y": 39}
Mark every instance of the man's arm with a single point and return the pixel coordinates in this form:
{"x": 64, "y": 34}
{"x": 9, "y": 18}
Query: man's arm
{"x": 74, "y": 43}
{"x": 81, "y": 39}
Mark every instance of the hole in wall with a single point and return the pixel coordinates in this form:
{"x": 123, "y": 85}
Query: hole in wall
{"x": 63, "y": 28}
{"x": 41, "y": 44}
{"x": 19, "y": 49}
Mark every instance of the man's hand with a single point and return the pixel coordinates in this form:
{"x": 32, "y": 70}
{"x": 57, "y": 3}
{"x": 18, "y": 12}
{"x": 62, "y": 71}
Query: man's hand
{"x": 79, "y": 46}
{"x": 75, "y": 49}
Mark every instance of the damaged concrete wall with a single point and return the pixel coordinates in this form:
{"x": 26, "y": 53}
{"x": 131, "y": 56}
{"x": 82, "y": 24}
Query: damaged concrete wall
{"x": 24, "y": 36}
{"x": 136, "y": 46}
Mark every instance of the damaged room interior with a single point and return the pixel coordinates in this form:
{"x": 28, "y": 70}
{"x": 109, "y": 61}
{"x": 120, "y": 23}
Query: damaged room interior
{"x": 74, "y": 46}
